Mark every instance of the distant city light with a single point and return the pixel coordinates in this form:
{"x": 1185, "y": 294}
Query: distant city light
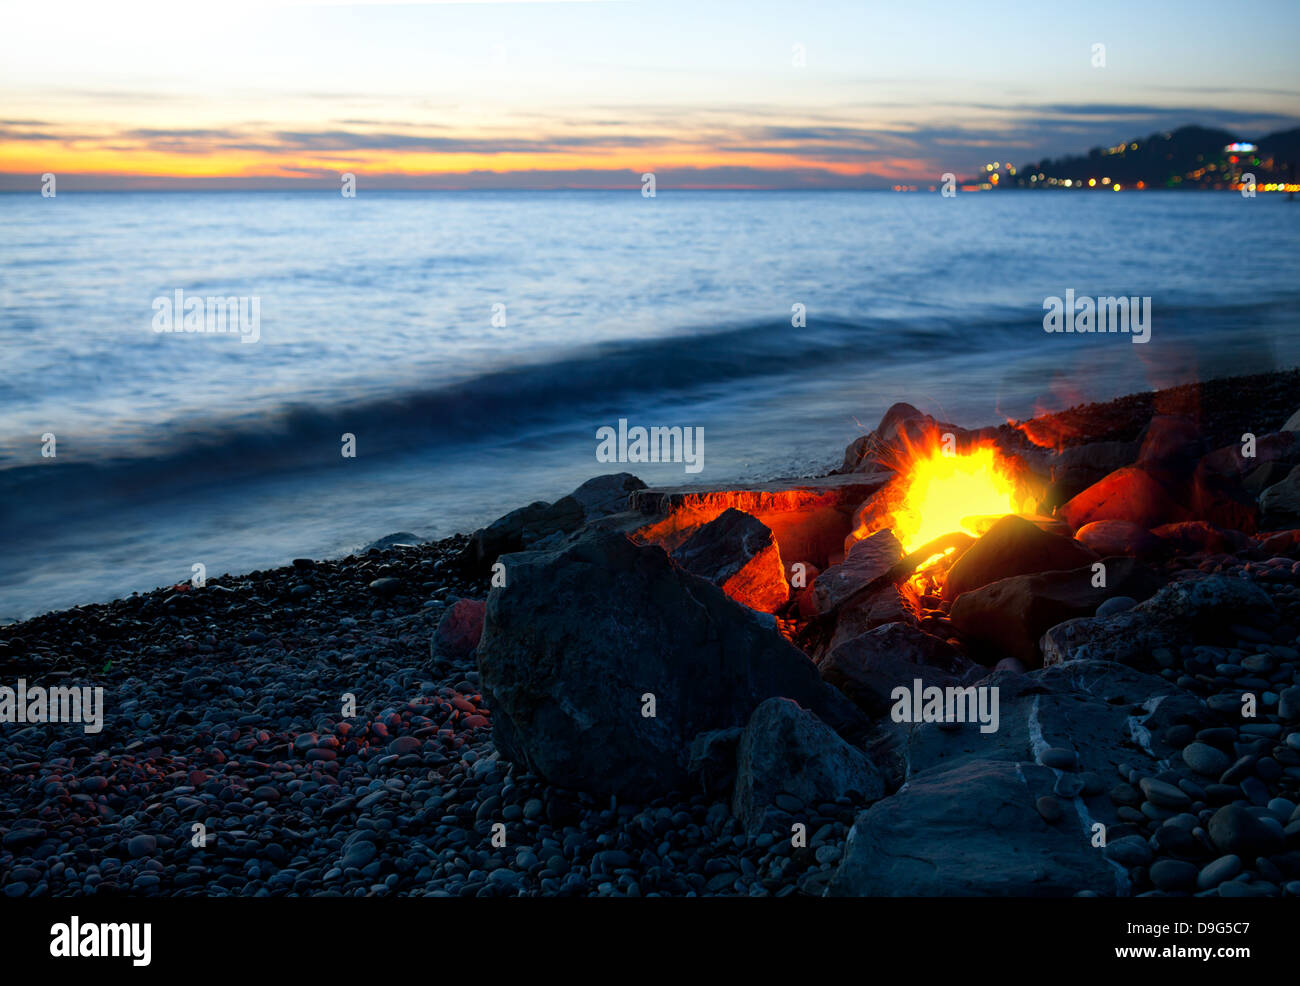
{"x": 1117, "y": 186}
{"x": 1240, "y": 148}
{"x": 1092, "y": 182}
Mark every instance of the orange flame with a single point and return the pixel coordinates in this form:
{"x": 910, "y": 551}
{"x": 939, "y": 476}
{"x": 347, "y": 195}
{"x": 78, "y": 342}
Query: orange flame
{"x": 1047, "y": 432}
{"x": 941, "y": 490}
{"x": 1048, "y": 428}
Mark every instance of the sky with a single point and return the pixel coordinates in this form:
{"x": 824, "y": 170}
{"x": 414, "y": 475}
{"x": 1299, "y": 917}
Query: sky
{"x": 706, "y": 93}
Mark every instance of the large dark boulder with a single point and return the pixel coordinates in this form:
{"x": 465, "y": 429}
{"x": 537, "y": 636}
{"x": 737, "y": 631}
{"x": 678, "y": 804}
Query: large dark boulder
{"x": 581, "y": 638}
{"x": 539, "y": 521}
{"x": 1074, "y": 469}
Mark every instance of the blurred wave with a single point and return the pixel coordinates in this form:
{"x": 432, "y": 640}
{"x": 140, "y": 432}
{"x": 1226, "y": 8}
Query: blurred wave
{"x": 376, "y": 322}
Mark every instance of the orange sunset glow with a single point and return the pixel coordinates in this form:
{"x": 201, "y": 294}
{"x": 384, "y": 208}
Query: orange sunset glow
{"x": 568, "y": 95}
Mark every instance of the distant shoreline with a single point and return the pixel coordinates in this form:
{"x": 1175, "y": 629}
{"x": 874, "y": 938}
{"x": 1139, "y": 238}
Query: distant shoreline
{"x": 629, "y": 190}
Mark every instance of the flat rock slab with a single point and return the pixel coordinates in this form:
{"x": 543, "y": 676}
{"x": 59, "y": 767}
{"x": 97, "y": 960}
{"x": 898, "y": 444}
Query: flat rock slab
{"x": 1106, "y": 713}
{"x": 777, "y": 495}
{"x": 810, "y": 518}
{"x": 973, "y": 830}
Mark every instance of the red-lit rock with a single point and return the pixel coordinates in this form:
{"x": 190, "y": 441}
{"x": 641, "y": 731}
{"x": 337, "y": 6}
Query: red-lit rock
{"x": 889, "y": 603}
{"x": 1075, "y": 469}
{"x": 805, "y": 600}
{"x": 874, "y": 512}
{"x": 1131, "y": 494}
{"x": 737, "y": 553}
{"x": 459, "y": 629}
{"x": 808, "y": 517}
{"x": 1119, "y": 537}
{"x": 867, "y": 561}
{"x": 1013, "y": 546}
{"x": 1008, "y": 617}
